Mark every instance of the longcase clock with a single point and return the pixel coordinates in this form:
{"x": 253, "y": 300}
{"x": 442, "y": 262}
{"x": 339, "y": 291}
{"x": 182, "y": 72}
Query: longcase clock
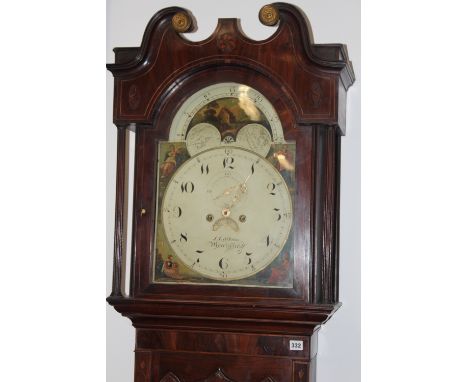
{"x": 234, "y": 263}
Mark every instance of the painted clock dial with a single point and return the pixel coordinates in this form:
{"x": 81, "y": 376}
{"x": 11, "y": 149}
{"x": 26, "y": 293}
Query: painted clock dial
{"x": 226, "y": 182}
{"x": 227, "y": 113}
{"x": 227, "y": 213}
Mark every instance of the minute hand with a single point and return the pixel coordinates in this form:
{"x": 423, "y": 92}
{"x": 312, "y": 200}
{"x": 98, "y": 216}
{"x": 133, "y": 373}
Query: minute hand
{"x": 242, "y": 189}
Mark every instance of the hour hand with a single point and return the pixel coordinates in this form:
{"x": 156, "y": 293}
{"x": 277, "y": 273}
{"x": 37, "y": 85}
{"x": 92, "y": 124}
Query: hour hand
{"x": 227, "y": 191}
{"x": 241, "y": 189}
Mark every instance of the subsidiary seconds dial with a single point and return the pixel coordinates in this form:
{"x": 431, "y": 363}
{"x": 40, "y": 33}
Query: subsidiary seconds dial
{"x": 227, "y": 213}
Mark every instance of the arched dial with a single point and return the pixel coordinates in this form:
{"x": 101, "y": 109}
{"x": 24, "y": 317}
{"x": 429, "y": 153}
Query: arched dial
{"x": 215, "y": 115}
{"x": 227, "y": 213}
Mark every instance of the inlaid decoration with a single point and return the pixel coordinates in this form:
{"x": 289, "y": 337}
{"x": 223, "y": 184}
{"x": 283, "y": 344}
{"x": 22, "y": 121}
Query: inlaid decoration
{"x": 316, "y": 95}
{"x": 226, "y": 42}
{"x": 170, "y": 377}
{"x": 300, "y": 372}
{"x": 134, "y": 97}
{"x": 218, "y": 376}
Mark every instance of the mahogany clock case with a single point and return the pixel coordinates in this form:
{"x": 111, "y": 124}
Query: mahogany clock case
{"x": 306, "y": 83}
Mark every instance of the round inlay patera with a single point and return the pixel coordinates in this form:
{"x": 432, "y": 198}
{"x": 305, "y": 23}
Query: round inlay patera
{"x": 181, "y": 22}
{"x": 269, "y": 15}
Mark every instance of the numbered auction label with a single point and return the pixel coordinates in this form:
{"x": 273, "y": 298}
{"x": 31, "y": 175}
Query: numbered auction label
{"x": 296, "y": 345}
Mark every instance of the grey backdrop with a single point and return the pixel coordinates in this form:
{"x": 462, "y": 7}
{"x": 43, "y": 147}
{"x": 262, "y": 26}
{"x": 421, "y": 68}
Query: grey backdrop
{"x": 332, "y": 21}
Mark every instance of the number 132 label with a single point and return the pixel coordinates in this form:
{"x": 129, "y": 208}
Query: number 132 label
{"x": 296, "y": 345}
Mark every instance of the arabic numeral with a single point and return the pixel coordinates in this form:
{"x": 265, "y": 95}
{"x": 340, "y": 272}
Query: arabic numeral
{"x": 277, "y": 210}
{"x": 188, "y": 187}
{"x": 177, "y": 212}
{"x": 271, "y": 188}
{"x": 223, "y": 263}
{"x": 227, "y": 162}
{"x": 205, "y": 169}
